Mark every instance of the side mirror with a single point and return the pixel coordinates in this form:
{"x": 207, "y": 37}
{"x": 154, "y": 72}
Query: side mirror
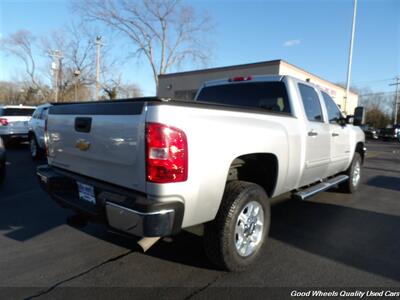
{"x": 350, "y": 119}
{"x": 359, "y": 116}
{"x": 344, "y": 121}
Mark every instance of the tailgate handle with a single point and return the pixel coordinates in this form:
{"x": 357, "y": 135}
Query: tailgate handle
{"x": 83, "y": 124}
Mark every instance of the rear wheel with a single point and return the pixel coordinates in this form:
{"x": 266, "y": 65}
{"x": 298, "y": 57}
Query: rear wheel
{"x": 233, "y": 241}
{"x": 354, "y": 173}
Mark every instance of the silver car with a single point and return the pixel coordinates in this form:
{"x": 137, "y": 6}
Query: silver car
{"x": 14, "y": 122}
{"x": 36, "y": 131}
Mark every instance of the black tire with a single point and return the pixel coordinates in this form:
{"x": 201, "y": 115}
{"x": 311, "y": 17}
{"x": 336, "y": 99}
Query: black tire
{"x": 34, "y": 148}
{"x": 219, "y": 235}
{"x": 351, "y": 185}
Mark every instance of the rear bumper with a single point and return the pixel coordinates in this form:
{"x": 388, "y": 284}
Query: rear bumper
{"x": 121, "y": 209}
{"x": 15, "y": 135}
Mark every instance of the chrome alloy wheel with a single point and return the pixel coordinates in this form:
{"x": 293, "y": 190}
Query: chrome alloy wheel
{"x": 356, "y": 173}
{"x": 249, "y": 228}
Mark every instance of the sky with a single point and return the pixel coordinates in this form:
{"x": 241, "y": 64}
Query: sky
{"x": 311, "y": 34}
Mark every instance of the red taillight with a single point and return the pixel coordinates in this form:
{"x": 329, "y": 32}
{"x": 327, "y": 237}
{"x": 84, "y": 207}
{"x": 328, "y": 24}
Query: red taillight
{"x": 166, "y": 154}
{"x": 3, "y": 122}
{"x": 240, "y": 78}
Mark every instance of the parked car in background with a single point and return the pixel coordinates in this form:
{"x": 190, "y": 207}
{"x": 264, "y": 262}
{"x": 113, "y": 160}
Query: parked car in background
{"x": 370, "y": 132}
{"x": 391, "y": 133}
{"x": 36, "y": 130}
{"x": 14, "y": 122}
{"x": 151, "y": 167}
{"x": 2, "y": 161}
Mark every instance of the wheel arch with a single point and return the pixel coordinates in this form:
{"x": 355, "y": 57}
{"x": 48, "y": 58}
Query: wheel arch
{"x": 360, "y": 148}
{"x": 258, "y": 168}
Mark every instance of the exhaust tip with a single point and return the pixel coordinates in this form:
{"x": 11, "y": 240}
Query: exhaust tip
{"x": 147, "y": 242}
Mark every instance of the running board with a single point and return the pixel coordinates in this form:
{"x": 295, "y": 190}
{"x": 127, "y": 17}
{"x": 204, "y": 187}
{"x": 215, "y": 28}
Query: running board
{"x": 320, "y": 187}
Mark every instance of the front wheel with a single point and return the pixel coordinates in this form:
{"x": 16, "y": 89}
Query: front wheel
{"x": 34, "y": 147}
{"x": 233, "y": 241}
{"x": 354, "y": 172}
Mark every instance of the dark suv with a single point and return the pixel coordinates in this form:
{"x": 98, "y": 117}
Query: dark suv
{"x": 392, "y": 133}
{"x": 370, "y": 132}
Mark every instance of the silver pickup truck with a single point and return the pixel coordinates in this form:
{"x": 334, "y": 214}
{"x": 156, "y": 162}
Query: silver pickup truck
{"x": 151, "y": 167}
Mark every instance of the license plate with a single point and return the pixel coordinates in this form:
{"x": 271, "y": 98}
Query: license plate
{"x": 86, "y": 192}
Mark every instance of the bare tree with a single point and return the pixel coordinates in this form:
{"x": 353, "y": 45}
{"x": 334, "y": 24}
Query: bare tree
{"x": 115, "y": 88}
{"x": 77, "y": 44}
{"x": 166, "y": 32}
{"x": 21, "y": 44}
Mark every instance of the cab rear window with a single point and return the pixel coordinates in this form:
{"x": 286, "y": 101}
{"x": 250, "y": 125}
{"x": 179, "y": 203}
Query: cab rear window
{"x": 11, "y": 112}
{"x": 270, "y": 96}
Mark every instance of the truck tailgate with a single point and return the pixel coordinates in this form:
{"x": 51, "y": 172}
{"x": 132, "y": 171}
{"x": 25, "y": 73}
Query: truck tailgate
{"x": 101, "y": 140}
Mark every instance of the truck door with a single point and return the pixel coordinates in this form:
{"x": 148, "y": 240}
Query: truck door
{"x": 317, "y": 137}
{"x": 340, "y": 137}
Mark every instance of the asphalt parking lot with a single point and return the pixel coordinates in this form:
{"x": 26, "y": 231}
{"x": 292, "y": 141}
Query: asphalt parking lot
{"x": 332, "y": 240}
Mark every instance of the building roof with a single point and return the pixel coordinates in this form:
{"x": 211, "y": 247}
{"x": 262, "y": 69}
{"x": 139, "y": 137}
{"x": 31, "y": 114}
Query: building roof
{"x": 225, "y": 68}
{"x": 249, "y": 65}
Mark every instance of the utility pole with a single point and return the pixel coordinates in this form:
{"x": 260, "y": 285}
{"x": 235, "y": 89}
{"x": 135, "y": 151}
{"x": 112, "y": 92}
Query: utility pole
{"x": 56, "y": 67}
{"x": 77, "y": 73}
{"x": 98, "y": 48}
{"x": 353, "y": 27}
{"x": 396, "y": 99}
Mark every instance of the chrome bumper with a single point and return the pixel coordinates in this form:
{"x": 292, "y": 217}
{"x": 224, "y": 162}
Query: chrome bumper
{"x": 122, "y": 209}
{"x": 157, "y": 223}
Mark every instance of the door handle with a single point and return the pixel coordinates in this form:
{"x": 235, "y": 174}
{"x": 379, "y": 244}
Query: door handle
{"x": 335, "y": 134}
{"x": 83, "y": 124}
{"x": 312, "y": 133}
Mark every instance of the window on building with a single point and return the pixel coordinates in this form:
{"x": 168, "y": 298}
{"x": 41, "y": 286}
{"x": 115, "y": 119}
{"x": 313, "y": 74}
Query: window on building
{"x": 185, "y": 95}
{"x": 334, "y": 113}
{"x": 311, "y": 103}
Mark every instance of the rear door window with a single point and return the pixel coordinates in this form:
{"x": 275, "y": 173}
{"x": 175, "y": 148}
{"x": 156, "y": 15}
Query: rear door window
{"x": 36, "y": 114}
{"x": 311, "y": 103}
{"x": 334, "y": 113}
{"x": 270, "y": 96}
{"x": 44, "y": 113}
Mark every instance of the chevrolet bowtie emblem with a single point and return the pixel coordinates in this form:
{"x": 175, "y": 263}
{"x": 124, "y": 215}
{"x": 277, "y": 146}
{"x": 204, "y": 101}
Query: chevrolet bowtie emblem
{"x": 82, "y": 145}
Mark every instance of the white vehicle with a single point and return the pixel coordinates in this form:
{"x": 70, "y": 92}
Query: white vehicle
{"x": 36, "y": 130}
{"x": 151, "y": 167}
{"x": 14, "y": 122}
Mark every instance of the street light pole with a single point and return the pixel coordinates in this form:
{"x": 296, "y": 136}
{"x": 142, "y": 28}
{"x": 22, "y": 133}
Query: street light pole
{"x": 76, "y": 74}
{"x": 353, "y": 26}
{"x": 56, "y": 67}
